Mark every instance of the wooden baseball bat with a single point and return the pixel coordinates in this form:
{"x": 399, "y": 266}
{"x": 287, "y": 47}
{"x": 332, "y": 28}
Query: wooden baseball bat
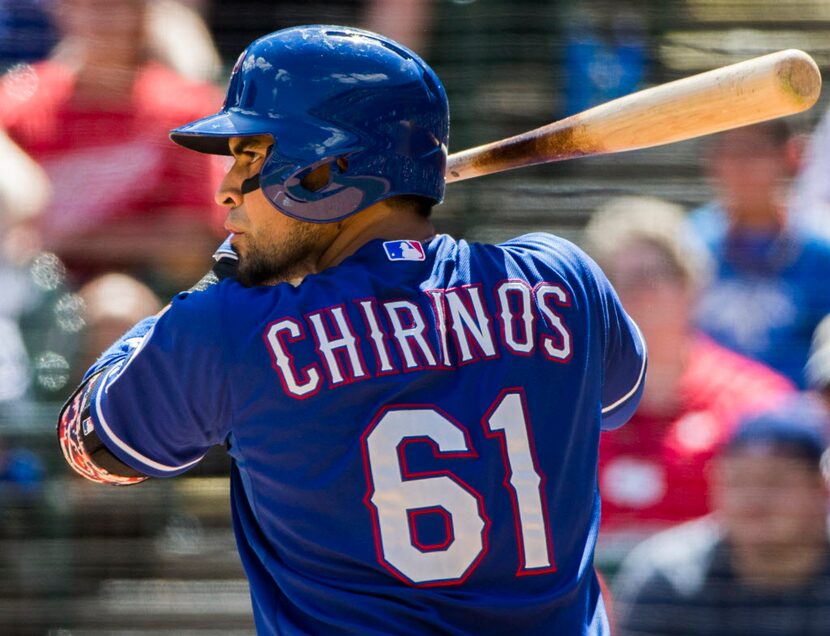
{"x": 762, "y": 88}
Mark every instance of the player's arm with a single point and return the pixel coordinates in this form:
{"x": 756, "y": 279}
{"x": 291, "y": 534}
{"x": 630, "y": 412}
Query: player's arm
{"x": 89, "y": 446}
{"x": 624, "y": 356}
{"x": 82, "y": 449}
{"x": 620, "y": 342}
{"x": 626, "y": 361}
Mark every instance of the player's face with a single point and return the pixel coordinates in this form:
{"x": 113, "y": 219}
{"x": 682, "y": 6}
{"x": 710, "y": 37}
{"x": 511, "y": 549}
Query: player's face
{"x": 272, "y": 247}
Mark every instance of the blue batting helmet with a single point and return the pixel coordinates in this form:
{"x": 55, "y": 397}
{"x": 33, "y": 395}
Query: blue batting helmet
{"x": 325, "y": 92}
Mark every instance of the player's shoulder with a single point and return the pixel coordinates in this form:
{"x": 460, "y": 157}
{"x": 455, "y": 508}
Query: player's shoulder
{"x": 200, "y": 311}
{"x": 551, "y": 252}
{"x": 226, "y": 311}
{"x": 199, "y": 299}
{"x": 229, "y": 303}
{"x": 542, "y": 241}
{"x": 547, "y": 247}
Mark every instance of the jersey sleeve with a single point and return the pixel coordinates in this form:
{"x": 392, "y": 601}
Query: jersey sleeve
{"x": 163, "y": 399}
{"x": 624, "y": 359}
{"x": 622, "y": 346}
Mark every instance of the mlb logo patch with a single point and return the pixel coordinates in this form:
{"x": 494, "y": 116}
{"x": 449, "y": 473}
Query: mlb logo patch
{"x": 404, "y": 250}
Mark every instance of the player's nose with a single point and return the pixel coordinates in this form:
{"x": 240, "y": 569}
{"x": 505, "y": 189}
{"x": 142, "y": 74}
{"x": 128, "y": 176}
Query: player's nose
{"x": 229, "y": 193}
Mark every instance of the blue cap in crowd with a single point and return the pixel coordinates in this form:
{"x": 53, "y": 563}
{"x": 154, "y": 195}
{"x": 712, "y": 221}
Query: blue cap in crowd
{"x": 799, "y": 426}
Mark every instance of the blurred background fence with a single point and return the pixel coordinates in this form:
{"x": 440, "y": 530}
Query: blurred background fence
{"x": 79, "y": 559}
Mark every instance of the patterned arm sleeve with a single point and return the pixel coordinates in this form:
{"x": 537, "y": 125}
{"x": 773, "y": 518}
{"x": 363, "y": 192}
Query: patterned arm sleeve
{"x": 82, "y": 448}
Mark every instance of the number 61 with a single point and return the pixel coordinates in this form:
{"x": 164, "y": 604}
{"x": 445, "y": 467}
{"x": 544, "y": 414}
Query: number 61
{"x": 396, "y": 496}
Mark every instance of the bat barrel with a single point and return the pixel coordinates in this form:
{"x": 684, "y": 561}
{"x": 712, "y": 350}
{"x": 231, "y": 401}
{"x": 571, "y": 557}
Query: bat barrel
{"x": 763, "y": 88}
{"x": 799, "y": 76}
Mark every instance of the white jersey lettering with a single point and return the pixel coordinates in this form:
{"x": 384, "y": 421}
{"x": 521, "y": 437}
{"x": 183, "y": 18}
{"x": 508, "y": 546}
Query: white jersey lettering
{"x": 460, "y": 330}
{"x": 411, "y": 333}
{"x": 516, "y": 326}
{"x": 437, "y": 298}
{"x": 284, "y": 362}
{"x": 377, "y": 336}
{"x": 330, "y": 345}
{"x": 556, "y": 348}
{"x": 470, "y": 322}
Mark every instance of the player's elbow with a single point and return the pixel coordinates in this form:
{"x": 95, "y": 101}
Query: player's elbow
{"x": 83, "y": 450}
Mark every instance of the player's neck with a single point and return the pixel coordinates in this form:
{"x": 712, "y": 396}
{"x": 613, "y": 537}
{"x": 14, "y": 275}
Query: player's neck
{"x": 380, "y": 221}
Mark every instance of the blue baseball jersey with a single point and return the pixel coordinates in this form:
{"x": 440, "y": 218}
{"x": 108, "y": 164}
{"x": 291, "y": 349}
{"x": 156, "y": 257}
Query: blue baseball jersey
{"x": 414, "y": 432}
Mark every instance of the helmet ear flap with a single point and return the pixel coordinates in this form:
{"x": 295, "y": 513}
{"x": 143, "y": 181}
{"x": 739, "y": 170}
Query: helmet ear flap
{"x": 316, "y": 178}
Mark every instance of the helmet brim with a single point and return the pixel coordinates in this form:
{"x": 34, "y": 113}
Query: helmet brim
{"x": 210, "y": 134}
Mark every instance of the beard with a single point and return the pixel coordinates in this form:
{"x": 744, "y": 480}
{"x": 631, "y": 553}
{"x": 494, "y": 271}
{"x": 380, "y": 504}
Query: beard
{"x": 289, "y": 259}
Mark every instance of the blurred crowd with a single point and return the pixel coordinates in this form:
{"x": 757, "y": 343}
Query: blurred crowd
{"x": 715, "y": 494}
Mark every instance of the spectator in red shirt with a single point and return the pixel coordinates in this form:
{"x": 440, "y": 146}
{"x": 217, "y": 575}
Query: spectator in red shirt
{"x": 652, "y": 471}
{"x": 96, "y": 116}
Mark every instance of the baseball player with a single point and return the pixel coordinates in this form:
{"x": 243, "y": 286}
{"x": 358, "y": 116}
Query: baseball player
{"x": 413, "y": 419}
